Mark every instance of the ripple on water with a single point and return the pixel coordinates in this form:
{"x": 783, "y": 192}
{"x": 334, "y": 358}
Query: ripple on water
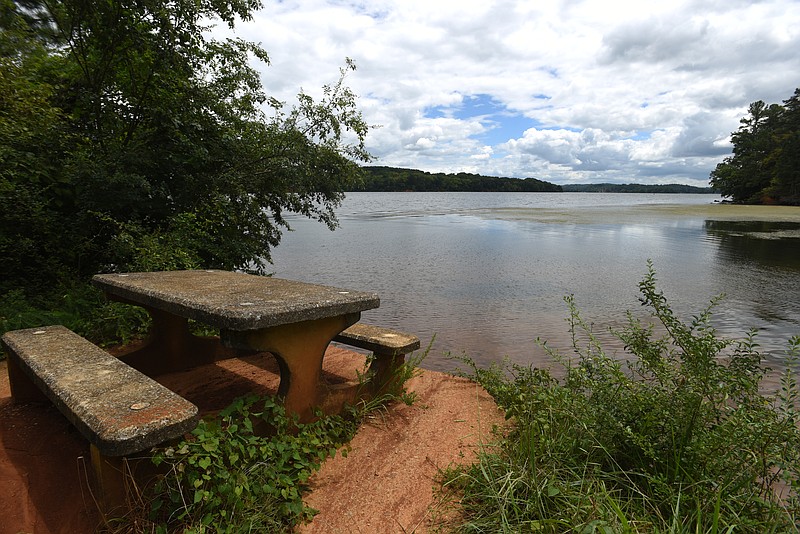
{"x": 486, "y": 274}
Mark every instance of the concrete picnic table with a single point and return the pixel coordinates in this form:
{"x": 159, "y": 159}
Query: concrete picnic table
{"x": 295, "y": 321}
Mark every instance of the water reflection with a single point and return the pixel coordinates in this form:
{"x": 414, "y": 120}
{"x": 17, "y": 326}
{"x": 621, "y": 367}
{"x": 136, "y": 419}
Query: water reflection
{"x": 773, "y": 244}
{"x": 763, "y": 258}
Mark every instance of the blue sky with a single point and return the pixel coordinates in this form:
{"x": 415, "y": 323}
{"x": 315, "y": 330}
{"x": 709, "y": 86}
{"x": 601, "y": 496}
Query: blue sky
{"x": 499, "y": 123}
{"x": 570, "y": 91}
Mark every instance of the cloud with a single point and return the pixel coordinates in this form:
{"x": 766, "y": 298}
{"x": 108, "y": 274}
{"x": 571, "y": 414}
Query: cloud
{"x": 659, "y": 40}
{"x": 586, "y": 90}
{"x": 702, "y": 135}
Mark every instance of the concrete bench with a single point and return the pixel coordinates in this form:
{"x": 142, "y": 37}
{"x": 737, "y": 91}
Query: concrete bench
{"x": 116, "y": 408}
{"x": 388, "y": 346}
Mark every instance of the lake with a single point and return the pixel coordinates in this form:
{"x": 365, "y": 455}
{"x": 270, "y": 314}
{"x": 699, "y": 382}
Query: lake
{"x": 486, "y": 273}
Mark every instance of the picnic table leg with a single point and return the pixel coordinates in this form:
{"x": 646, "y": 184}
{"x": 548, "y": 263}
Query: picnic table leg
{"x": 170, "y": 346}
{"x": 299, "y": 349}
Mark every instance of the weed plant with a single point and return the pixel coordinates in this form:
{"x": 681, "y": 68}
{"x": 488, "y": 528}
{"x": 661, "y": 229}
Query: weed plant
{"x": 229, "y": 478}
{"x": 674, "y": 436}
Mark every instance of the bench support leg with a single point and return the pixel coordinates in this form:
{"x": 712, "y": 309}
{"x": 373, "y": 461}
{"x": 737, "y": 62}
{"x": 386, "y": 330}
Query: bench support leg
{"x": 110, "y": 483}
{"x": 384, "y": 373}
{"x": 22, "y": 387}
{"x": 299, "y": 349}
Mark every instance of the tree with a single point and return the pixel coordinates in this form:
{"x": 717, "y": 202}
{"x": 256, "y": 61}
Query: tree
{"x": 785, "y": 184}
{"x": 765, "y": 164}
{"x": 33, "y": 136}
{"x": 131, "y": 139}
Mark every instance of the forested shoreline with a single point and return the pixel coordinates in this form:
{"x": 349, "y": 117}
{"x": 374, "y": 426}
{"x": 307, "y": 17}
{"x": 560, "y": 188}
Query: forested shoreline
{"x": 379, "y": 179}
{"x": 386, "y": 179}
{"x": 636, "y": 188}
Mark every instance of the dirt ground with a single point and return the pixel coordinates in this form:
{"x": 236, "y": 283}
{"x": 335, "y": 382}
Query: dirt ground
{"x": 386, "y": 483}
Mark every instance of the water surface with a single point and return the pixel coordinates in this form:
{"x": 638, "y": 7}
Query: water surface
{"x": 486, "y": 273}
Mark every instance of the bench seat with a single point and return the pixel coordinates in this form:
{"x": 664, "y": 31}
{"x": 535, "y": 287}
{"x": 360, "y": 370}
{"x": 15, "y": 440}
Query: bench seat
{"x": 380, "y": 340}
{"x": 116, "y": 408}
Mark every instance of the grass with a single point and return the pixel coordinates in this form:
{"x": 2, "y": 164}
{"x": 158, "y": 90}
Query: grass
{"x": 673, "y": 437}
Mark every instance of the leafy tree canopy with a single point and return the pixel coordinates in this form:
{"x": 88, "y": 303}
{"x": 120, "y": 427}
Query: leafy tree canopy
{"x": 131, "y": 139}
{"x": 765, "y": 165}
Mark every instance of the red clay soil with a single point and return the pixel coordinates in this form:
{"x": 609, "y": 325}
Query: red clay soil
{"x": 386, "y": 483}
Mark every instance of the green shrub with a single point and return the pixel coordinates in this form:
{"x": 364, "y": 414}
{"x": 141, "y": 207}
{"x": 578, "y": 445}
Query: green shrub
{"x": 673, "y": 437}
{"x": 80, "y": 307}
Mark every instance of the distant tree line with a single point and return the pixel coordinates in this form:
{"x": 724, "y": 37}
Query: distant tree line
{"x": 635, "y": 188}
{"x": 377, "y": 178}
{"x": 765, "y": 165}
{"x": 393, "y": 179}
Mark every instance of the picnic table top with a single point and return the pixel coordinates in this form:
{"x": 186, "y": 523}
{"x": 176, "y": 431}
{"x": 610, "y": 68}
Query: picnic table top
{"x": 234, "y": 301}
